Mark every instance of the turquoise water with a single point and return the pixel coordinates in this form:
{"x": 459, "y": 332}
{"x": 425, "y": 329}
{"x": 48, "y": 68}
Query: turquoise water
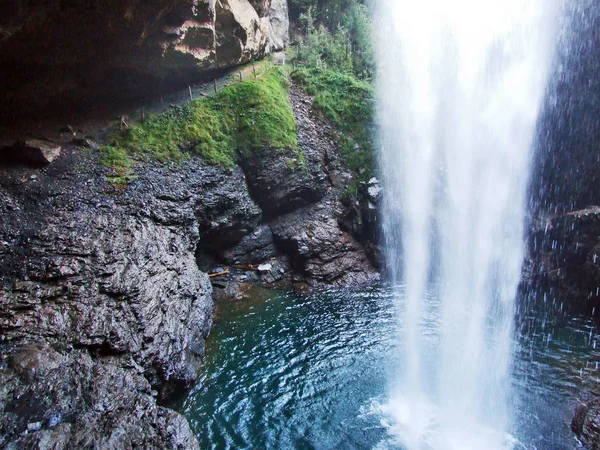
{"x": 287, "y": 371}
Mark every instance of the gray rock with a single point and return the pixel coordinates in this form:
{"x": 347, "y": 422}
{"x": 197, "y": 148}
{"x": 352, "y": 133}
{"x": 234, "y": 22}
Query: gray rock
{"x": 265, "y": 268}
{"x": 320, "y": 249}
{"x": 254, "y": 248}
{"x": 279, "y": 34}
{"x": 586, "y": 424}
{"x": 225, "y": 212}
{"x": 279, "y": 183}
{"x": 75, "y": 401}
{"x": 105, "y": 285}
{"x": 31, "y": 152}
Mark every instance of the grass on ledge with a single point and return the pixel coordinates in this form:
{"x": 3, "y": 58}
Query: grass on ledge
{"x": 349, "y": 105}
{"x": 221, "y": 128}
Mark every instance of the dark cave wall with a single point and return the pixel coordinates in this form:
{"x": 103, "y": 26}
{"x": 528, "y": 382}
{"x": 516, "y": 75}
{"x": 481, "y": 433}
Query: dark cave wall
{"x": 55, "y": 52}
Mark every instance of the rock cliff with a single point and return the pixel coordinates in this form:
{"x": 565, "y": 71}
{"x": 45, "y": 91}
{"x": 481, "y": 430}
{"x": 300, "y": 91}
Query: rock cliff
{"x": 104, "y": 299}
{"x": 71, "y": 55}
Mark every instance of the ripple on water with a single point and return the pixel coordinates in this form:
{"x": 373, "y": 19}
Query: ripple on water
{"x": 309, "y": 372}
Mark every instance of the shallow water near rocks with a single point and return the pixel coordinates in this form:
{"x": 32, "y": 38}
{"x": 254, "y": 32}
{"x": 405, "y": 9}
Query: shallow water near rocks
{"x": 285, "y": 371}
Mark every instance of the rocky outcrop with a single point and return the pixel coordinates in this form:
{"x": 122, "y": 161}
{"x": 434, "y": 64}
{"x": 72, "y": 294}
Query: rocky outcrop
{"x": 104, "y": 299}
{"x": 74, "y": 54}
{"x": 319, "y": 249}
{"x": 53, "y": 397}
{"x": 361, "y": 219}
{"x": 103, "y": 309}
{"x": 280, "y": 182}
{"x": 586, "y": 424}
{"x": 307, "y": 233}
{"x": 564, "y": 256}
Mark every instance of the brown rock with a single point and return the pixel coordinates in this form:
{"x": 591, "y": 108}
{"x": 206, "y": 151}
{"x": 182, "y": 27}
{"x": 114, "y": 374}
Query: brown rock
{"x": 35, "y": 151}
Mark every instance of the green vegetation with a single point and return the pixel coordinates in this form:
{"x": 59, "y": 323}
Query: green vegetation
{"x": 337, "y": 53}
{"x": 337, "y": 35}
{"x": 221, "y": 128}
{"x": 348, "y": 104}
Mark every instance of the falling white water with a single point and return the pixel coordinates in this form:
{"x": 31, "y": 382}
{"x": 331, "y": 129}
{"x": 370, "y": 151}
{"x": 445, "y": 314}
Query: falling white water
{"x": 460, "y": 85}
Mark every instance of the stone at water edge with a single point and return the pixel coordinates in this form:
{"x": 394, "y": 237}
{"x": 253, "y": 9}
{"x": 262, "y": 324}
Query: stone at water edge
{"x": 264, "y": 268}
{"x": 35, "y": 151}
{"x": 586, "y": 424}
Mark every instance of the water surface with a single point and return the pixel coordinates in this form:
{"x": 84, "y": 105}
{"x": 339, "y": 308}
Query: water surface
{"x": 287, "y": 371}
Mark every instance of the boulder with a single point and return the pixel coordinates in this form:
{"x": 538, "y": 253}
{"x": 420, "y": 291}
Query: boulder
{"x": 319, "y": 249}
{"x": 280, "y": 182}
{"x": 32, "y": 152}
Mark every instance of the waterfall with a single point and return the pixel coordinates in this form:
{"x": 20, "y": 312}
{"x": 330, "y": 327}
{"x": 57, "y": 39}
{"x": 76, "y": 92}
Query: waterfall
{"x": 460, "y": 84}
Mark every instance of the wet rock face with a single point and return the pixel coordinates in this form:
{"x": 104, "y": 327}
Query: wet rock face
{"x": 280, "y": 183}
{"x": 309, "y": 235}
{"x": 76, "y": 53}
{"x": 226, "y": 213}
{"x": 102, "y": 306}
{"x": 586, "y": 424}
{"x": 361, "y": 218}
{"x": 320, "y": 249}
{"x": 64, "y": 398}
{"x": 564, "y": 254}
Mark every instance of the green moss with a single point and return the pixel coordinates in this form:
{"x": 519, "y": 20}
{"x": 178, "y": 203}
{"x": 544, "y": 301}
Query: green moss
{"x": 349, "y": 105}
{"x": 119, "y": 161}
{"x": 259, "y": 111}
{"x": 221, "y": 128}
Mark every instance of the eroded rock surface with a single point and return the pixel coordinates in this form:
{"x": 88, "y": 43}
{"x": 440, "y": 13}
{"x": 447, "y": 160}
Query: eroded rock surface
{"x": 586, "y": 424}
{"x": 311, "y": 236}
{"x": 104, "y": 303}
{"x": 105, "y": 282}
{"x": 319, "y": 249}
{"x": 79, "y": 53}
